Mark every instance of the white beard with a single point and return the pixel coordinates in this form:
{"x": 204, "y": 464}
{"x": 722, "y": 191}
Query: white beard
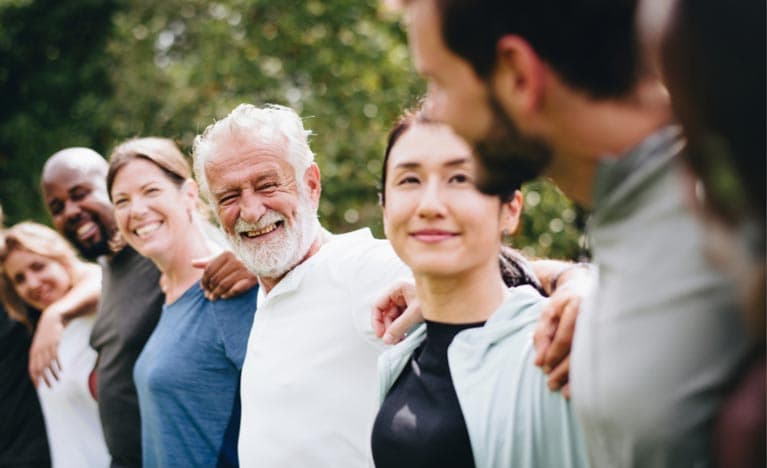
{"x": 276, "y": 256}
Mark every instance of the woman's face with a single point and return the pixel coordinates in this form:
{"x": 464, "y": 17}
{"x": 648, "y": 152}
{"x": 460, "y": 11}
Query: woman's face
{"x": 152, "y": 212}
{"x": 38, "y": 280}
{"x": 436, "y": 220}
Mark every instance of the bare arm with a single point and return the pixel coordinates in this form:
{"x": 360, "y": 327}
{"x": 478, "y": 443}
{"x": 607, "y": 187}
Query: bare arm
{"x": 82, "y": 299}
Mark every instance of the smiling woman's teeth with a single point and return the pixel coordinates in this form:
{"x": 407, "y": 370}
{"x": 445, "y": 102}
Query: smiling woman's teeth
{"x": 260, "y": 232}
{"x": 147, "y": 229}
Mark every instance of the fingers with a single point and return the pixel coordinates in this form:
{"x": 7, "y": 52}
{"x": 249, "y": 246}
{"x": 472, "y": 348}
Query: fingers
{"x": 212, "y": 277}
{"x": 239, "y": 287}
{"x": 217, "y": 284}
{"x": 397, "y": 328}
{"x": 563, "y": 336}
{"x": 384, "y": 312}
{"x": 566, "y": 391}
{"x": 560, "y": 375}
{"x": 390, "y": 305}
{"x": 202, "y": 262}
{"x": 44, "y": 364}
{"x": 226, "y": 276}
{"x": 544, "y": 331}
{"x": 377, "y": 319}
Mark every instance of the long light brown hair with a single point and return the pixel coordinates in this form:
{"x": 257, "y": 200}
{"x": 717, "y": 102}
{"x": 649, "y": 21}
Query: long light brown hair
{"x": 40, "y": 240}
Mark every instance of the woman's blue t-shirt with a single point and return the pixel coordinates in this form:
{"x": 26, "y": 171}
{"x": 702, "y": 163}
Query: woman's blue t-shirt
{"x": 187, "y": 378}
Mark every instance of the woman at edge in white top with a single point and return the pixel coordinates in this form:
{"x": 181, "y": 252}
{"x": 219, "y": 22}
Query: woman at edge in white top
{"x": 39, "y": 268}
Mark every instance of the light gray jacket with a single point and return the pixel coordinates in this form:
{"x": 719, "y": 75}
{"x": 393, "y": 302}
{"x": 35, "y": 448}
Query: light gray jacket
{"x": 513, "y": 419}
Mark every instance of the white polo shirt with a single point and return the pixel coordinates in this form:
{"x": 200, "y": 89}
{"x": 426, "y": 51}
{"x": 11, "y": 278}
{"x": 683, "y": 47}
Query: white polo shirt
{"x": 309, "y": 381}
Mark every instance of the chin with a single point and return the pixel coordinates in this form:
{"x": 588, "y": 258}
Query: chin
{"x": 434, "y": 267}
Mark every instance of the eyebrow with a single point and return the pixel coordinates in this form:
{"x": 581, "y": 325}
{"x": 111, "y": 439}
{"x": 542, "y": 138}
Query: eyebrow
{"x": 413, "y": 164}
{"x": 140, "y": 188}
{"x": 236, "y": 185}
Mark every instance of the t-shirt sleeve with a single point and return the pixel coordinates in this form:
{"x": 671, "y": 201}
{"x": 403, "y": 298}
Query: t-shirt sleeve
{"x": 234, "y": 318}
{"x": 381, "y": 269}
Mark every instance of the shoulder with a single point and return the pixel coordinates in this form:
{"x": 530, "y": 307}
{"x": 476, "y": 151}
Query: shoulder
{"x": 522, "y": 304}
{"x": 361, "y": 241}
{"x": 246, "y": 300}
{"x": 359, "y": 256}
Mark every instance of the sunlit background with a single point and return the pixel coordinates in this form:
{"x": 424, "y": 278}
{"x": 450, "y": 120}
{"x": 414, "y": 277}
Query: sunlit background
{"x": 92, "y": 73}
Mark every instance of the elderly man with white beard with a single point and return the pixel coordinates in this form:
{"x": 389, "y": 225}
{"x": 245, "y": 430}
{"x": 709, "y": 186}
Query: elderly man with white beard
{"x": 309, "y": 381}
{"x": 309, "y": 378}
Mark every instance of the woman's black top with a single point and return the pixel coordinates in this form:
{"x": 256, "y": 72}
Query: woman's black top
{"x": 420, "y": 423}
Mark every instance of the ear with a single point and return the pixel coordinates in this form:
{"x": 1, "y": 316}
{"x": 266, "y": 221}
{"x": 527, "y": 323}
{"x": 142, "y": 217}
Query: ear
{"x": 511, "y": 212}
{"x": 385, "y": 218}
{"x": 519, "y": 76}
{"x": 190, "y": 191}
{"x": 313, "y": 183}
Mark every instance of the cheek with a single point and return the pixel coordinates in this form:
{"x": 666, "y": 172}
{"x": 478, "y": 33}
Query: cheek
{"x": 397, "y": 213}
{"x": 228, "y": 217}
{"x": 121, "y": 218}
{"x": 59, "y": 222}
{"x": 23, "y": 292}
{"x": 58, "y": 276}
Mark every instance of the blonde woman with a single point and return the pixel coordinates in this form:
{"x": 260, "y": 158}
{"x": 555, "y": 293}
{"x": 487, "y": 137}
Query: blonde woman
{"x": 40, "y": 269}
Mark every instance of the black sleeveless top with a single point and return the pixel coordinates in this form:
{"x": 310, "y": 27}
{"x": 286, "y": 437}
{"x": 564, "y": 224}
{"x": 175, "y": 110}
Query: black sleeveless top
{"x": 420, "y": 423}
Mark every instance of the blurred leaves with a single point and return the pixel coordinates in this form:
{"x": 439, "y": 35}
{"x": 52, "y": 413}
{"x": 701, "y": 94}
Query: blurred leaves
{"x": 92, "y": 73}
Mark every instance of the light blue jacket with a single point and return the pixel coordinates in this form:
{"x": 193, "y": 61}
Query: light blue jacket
{"x": 513, "y": 419}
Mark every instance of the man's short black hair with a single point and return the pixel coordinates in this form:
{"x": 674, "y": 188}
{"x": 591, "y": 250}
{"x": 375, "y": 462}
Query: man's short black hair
{"x": 591, "y": 44}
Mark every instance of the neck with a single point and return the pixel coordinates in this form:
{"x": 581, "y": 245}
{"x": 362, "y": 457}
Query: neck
{"x": 470, "y": 297}
{"x": 323, "y": 236}
{"x": 176, "y": 266}
{"x": 588, "y": 131}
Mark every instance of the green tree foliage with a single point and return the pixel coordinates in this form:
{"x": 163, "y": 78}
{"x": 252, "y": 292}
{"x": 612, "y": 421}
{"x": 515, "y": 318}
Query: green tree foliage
{"x": 171, "y": 68}
{"x": 54, "y": 90}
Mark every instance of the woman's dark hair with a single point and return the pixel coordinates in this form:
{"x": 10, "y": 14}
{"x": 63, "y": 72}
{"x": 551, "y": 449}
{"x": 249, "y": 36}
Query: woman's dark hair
{"x": 515, "y": 269}
{"x": 403, "y": 123}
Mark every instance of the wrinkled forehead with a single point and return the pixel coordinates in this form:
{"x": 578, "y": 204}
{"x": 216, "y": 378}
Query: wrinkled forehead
{"x": 238, "y": 154}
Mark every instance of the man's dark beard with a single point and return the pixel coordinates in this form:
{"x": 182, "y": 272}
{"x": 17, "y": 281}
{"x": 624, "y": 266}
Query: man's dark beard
{"x": 507, "y": 158}
{"x": 93, "y": 251}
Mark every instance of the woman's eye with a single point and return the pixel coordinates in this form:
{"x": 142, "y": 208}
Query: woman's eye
{"x": 460, "y": 178}
{"x": 408, "y": 180}
{"x": 120, "y": 202}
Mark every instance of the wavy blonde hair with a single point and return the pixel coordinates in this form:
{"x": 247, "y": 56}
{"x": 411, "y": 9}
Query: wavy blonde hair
{"x": 40, "y": 240}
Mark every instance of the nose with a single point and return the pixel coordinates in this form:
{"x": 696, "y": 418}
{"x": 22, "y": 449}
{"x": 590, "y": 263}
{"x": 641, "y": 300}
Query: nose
{"x": 33, "y": 282}
{"x": 72, "y": 210}
{"x": 137, "y": 208}
{"x": 431, "y": 204}
{"x": 251, "y": 207}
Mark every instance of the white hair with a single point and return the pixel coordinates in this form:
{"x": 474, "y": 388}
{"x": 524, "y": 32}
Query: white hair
{"x": 271, "y": 125}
